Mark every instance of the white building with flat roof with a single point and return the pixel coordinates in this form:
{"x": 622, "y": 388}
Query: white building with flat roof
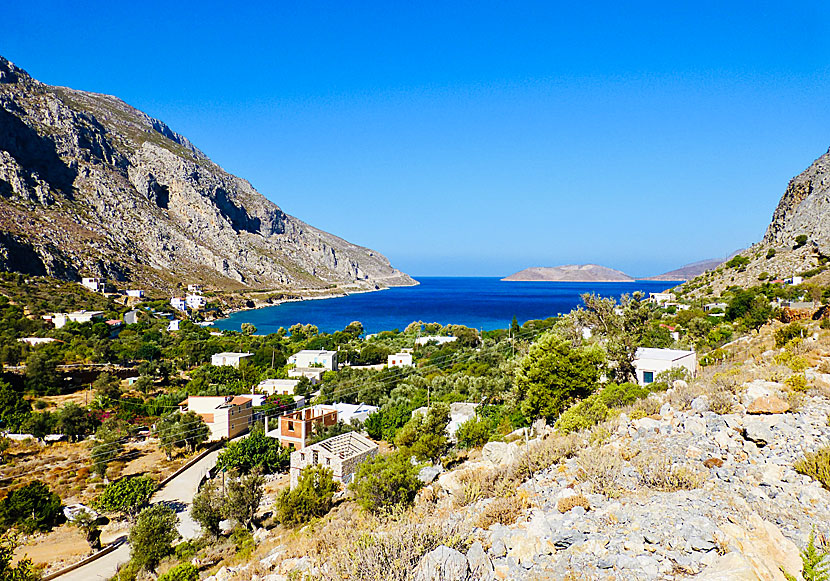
{"x": 195, "y": 302}
{"x": 313, "y": 374}
{"x": 135, "y": 293}
{"x": 660, "y": 298}
{"x": 435, "y": 339}
{"x": 346, "y": 412}
{"x": 311, "y": 358}
{"x": 400, "y": 360}
{"x": 228, "y": 358}
{"x": 96, "y": 285}
{"x": 179, "y": 303}
{"x": 277, "y": 386}
{"x": 649, "y": 362}
{"x": 61, "y": 319}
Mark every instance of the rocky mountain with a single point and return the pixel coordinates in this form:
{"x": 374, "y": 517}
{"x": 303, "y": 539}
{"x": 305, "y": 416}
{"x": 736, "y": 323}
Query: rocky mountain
{"x": 689, "y": 270}
{"x": 91, "y": 186}
{"x": 797, "y": 241}
{"x": 570, "y": 273}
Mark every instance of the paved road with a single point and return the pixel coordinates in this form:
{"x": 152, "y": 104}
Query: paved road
{"x": 179, "y": 492}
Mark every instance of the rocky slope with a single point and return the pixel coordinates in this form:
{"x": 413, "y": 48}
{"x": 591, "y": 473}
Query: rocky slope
{"x": 688, "y": 271}
{"x": 804, "y": 210}
{"x": 91, "y": 186}
{"x": 570, "y": 273}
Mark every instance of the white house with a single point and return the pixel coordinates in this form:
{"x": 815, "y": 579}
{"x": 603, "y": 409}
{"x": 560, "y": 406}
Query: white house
{"x": 794, "y": 280}
{"x": 96, "y": 285}
{"x": 195, "y": 302}
{"x": 226, "y": 416}
{"x": 314, "y": 374}
{"x": 649, "y": 362}
{"x": 194, "y": 288}
{"x": 346, "y": 412}
{"x": 660, "y": 298}
{"x": 36, "y": 340}
{"x": 60, "y": 319}
{"x": 435, "y": 338}
{"x": 714, "y": 306}
{"x": 227, "y": 358}
{"x": 277, "y": 386}
{"x": 400, "y": 360}
{"x": 310, "y": 358}
{"x": 131, "y": 317}
{"x": 135, "y": 293}
{"x": 179, "y": 303}
{"x": 173, "y": 325}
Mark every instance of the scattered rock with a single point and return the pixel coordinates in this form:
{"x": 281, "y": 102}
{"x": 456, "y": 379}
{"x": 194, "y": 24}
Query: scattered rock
{"x": 768, "y": 404}
{"x": 442, "y": 564}
{"x": 713, "y": 462}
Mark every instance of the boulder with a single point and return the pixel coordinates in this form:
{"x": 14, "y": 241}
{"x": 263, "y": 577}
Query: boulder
{"x": 429, "y": 473}
{"x": 758, "y": 432}
{"x": 499, "y": 453}
{"x": 700, "y": 404}
{"x": 760, "y": 388}
{"x": 442, "y": 564}
{"x": 757, "y": 551}
{"x": 768, "y": 404}
{"x": 479, "y": 563}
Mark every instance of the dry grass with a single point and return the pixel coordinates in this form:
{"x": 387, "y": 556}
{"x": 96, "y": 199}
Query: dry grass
{"x": 816, "y": 465}
{"x": 601, "y": 467}
{"x": 569, "y": 502}
{"x": 657, "y": 472}
{"x": 501, "y": 510}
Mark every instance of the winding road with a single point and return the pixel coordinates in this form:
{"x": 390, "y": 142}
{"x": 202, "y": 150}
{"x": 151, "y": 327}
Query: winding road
{"x": 178, "y": 493}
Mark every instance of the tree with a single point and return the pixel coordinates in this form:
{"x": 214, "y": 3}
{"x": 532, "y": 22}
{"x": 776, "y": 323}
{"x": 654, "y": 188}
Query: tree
{"x": 311, "y": 498}
{"x": 386, "y": 482}
{"x": 425, "y": 435}
{"x": 152, "y": 537}
{"x": 192, "y": 430}
{"x": 23, "y": 570}
{"x": 39, "y": 425}
{"x": 127, "y": 495}
{"x": 247, "y": 328}
{"x": 88, "y": 524}
{"x": 355, "y": 329}
{"x": 108, "y": 445}
{"x": 41, "y": 373}
{"x": 244, "y": 495}
{"x": 374, "y": 425}
{"x": 514, "y": 327}
{"x": 553, "y": 374}
{"x": 13, "y": 408}
{"x": 107, "y": 386}
{"x": 143, "y": 384}
{"x": 31, "y": 508}
{"x": 208, "y": 507}
{"x": 74, "y": 421}
{"x": 473, "y": 433}
{"x": 257, "y": 451}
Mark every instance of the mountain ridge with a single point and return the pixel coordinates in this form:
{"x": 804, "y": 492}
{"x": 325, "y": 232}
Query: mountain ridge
{"x": 94, "y": 187}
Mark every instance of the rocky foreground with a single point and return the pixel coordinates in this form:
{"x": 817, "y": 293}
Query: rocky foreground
{"x": 703, "y": 487}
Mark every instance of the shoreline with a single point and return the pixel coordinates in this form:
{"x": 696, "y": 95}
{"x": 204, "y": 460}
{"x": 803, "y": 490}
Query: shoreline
{"x": 341, "y": 294}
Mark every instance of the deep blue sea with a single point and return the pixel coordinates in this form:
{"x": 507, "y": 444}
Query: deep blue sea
{"x": 482, "y": 303}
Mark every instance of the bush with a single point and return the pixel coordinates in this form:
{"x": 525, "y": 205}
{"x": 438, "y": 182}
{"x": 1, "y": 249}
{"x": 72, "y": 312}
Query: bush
{"x": 800, "y": 241}
{"x": 473, "y": 433}
{"x": 152, "y": 537}
{"x": 426, "y": 435}
{"x": 602, "y": 469}
{"x": 504, "y": 510}
{"x": 311, "y": 498}
{"x": 386, "y": 482}
{"x": 770, "y": 253}
{"x": 23, "y": 569}
{"x": 789, "y": 332}
{"x": 583, "y": 415}
{"x": 208, "y": 507}
{"x": 181, "y": 572}
{"x": 737, "y": 261}
{"x": 656, "y": 471}
{"x": 816, "y": 465}
{"x": 31, "y": 508}
{"x": 127, "y": 496}
{"x": 796, "y": 382}
{"x": 567, "y": 503}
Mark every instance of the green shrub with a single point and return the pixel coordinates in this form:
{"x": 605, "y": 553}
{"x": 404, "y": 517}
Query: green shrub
{"x": 816, "y": 568}
{"x": 770, "y": 253}
{"x": 615, "y": 396}
{"x": 386, "y": 482}
{"x": 737, "y": 261}
{"x": 311, "y": 498}
{"x": 31, "y": 508}
{"x": 816, "y": 465}
{"x": 583, "y": 415}
{"x": 800, "y": 240}
{"x": 127, "y": 495}
{"x": 152, "y": 537}
{"x": 255, "y": 451}
{"x": 181, "y": 572}
{"x": 785, "y": 334}
{"x": 473, "y": 433}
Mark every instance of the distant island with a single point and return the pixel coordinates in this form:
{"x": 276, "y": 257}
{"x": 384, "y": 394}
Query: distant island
{"x": 597, "y": 273}
{"x": 570, "y": 273}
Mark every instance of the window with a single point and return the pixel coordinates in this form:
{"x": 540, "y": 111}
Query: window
{"x": 648, "y": 377}
{"x": 290, "y": 426}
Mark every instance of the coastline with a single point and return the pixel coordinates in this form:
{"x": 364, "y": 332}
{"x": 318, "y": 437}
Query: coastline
{"x": 320, "y": 297}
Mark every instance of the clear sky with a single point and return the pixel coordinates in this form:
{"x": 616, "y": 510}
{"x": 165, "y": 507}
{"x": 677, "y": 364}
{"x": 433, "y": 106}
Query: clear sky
{"x": 474, "y": 138}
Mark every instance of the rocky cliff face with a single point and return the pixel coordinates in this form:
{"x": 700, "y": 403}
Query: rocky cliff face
{"x": 804, "y": 209}
{"x": 91, "y": 186}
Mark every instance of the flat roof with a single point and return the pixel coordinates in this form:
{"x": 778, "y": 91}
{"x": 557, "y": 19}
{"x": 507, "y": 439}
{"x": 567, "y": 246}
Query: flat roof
{"x": 662, "y": 354}
{"x": 231, "y": 354}
{"x": 346, "y": 445}
{"x": 314, "y": 352}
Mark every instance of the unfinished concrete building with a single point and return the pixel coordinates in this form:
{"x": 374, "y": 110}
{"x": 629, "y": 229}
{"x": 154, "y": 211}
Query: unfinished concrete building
{"x": 295, "y": 428}
{"x": 341, "y": 454}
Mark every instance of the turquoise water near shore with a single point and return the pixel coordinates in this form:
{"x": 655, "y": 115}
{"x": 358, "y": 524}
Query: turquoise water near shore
{"x": 480, "y": 302}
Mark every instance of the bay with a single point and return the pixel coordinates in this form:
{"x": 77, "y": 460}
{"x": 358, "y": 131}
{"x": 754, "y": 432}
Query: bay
{"x": 479, "y": 302}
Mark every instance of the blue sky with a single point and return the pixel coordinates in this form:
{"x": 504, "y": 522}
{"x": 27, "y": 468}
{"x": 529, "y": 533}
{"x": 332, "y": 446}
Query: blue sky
{"x": 474, "y": 138}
